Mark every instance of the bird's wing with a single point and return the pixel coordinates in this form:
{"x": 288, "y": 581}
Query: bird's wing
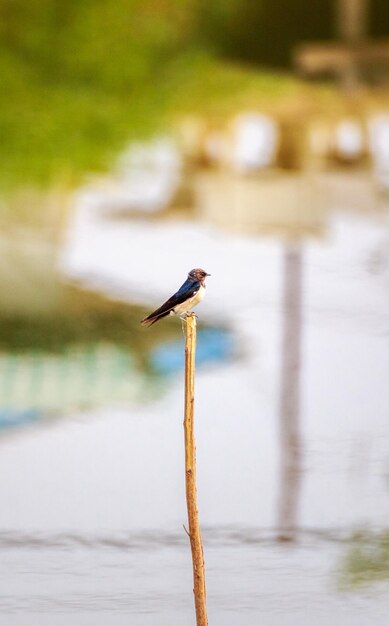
{"x": 187, "y": 290}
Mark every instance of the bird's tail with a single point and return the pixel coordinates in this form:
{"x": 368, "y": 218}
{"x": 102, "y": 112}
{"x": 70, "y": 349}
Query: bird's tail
{"x": 151, "y": 319}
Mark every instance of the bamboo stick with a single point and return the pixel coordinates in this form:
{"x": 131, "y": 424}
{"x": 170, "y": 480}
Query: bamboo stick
{"x": 190, "y": 475}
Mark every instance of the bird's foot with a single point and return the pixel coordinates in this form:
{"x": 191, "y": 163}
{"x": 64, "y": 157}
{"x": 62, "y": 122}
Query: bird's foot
{"x": 187, "y": 314}
{"x": 183, "y": 316}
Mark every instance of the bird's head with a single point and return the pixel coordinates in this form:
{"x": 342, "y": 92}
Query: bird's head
{"x": 198, "y": 274}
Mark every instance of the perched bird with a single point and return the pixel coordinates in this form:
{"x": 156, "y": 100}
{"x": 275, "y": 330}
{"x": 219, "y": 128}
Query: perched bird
{"x": 188, "y": 295}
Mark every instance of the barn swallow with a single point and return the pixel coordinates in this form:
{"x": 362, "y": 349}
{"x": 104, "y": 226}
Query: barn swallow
{"x": 188, "y": 295}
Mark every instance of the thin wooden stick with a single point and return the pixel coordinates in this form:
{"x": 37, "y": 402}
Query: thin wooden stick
{"x": 190, "y": 475}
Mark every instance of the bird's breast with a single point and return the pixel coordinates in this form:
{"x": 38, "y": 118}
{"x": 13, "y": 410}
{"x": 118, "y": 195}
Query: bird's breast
{"x": 199, "y": 295}
{"x": 190, "y": 302}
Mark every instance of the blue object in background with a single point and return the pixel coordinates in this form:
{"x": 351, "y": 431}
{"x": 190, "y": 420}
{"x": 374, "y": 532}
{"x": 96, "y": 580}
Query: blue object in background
{"x": 213, "y": 345}
{"x": 18, "y": 417}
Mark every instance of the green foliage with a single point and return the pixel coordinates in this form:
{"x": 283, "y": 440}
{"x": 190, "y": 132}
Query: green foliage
{"x": 367, "y": 561}
{"x": 213, "y": 88}
{"x": 79, "y": 79}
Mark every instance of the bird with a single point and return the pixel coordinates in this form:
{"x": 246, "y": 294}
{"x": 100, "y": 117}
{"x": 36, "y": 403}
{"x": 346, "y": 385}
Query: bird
{"x": 191, "y": 292}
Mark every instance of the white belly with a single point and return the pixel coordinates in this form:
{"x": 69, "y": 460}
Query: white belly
{"x": 189, "y": 304}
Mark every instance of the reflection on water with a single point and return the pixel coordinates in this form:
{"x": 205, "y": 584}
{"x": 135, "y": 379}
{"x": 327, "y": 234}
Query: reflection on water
{"x": 80, "y": 350}
{"x": 78, "y": 353}
{"x": 213, "y": 345}
{"x": 147, "y": 580}
{"x": 292, "y": 432}
{"x": 39, "y": 384}
{"x": 290, "y": 436}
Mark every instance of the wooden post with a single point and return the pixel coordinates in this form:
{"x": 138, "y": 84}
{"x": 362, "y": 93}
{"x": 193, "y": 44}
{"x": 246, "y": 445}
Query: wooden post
{"x": 190, "y": 474}
{"x": 352, "y": 19}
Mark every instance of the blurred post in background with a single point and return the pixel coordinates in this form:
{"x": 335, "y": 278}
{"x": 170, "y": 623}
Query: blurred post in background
{"x": 290, "y": 426}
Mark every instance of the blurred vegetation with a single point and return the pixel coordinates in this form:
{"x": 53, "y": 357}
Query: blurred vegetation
{"x": 264, "y": 31}
{"x": 80, "y": 79}
{"x": 82, "y": 318}
{"x": 367, "y": 560}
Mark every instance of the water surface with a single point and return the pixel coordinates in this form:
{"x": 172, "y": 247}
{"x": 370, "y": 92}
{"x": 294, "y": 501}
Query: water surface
{"x": 93, "y": 503}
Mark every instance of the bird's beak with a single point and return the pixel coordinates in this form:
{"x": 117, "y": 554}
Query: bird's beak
{"x": 208, "y": 274}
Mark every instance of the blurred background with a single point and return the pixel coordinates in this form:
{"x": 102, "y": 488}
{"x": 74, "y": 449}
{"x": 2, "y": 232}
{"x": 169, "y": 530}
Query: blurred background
{"x": 140, "y": 140}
